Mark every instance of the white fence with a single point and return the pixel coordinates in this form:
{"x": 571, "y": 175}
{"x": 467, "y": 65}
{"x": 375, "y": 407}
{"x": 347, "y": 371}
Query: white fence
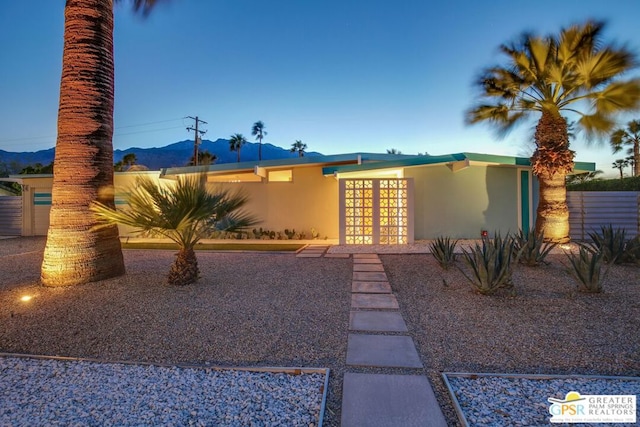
{"x": 589, "y": 210}
{"x": 10, "y": 215}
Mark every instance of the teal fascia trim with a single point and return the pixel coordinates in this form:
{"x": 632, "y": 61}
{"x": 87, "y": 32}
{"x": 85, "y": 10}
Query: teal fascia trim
{"x": 42, "y": 202}
{"x": 41, "y": 194}
{"x": 584, "y": 167}
{"x": 283, "y": 163}
{"x": 502, "y": 160}
{"x": 406, "y": 162}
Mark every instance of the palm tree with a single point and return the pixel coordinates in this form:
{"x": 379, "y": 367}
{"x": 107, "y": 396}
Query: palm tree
{"x": 76, "y": 252}
{"x": 129, "y": 159}
{"x": 204, "y": 158}
{"x": 236, "y": 142}
{"x": 581, "y": 178}
{"x": 298, "y": 147}
{"x": 629, "y": 136}
{"x": 185, "y": 212}
{"x": 572, "y": 72}
{"x": 258, "y": 131}
{"x": 620, "y": 164}
{"x": 393, "y": 151}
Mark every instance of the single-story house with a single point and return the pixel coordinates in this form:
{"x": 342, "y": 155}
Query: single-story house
{"x": 358, "y": 198}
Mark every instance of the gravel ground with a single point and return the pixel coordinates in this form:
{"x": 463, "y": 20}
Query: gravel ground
{"x": 277, "y": 310}
{"x": 548, "y": 328}
{"x": 248, "y": 309}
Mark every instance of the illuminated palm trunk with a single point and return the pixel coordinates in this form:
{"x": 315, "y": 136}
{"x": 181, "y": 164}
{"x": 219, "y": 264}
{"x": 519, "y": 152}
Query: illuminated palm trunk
{"x": 184, "y": 269}
{"x": 76, "y": 252}
{"x": 551, "y": 162}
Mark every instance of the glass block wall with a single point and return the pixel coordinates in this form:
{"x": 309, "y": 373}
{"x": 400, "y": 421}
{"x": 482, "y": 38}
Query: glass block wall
{"x": 376, "y": 211}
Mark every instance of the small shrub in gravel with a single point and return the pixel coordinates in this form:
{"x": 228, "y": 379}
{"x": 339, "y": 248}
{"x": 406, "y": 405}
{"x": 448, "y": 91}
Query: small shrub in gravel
{"x": 491, "y": 264}
{"x": 586, "y": 269}
{"x": 532, "y": 248}
{"x": 443, "y": 250}
{"x": 631, "y": 252}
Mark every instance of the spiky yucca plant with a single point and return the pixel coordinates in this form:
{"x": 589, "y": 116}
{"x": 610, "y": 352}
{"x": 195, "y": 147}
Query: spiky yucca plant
{"x": 184, "y": 212}
{"x": 443, "y": 250}
{"x": 632, "y": 251}
{"x": 491, "y": 264}
{"x": 586, "y": 269}
{"x": 532, "y": 248}
{"x": 611, "y": 242}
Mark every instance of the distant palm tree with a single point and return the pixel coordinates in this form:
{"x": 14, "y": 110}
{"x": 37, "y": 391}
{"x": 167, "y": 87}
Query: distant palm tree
{"x": 129, "y": 159}
{"x": 581, "y": 178}
{"x": 629, "y": 136}
{"x": 393, "y": 151}
{"x": 204, "y": 158}
{"x": 298, "y": 147}
{"x": 76, "y": 252}
{"x": 236, "y": 142}
{"x": 620, "y": 164}
{"x": 185, "y": 212}
{"x": 548, "y": 76}
{"x": 258, "y": 131}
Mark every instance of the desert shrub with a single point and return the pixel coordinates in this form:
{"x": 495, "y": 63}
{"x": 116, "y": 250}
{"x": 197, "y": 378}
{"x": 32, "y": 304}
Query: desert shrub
{"x": 625, "y": 184}
{"x": 611, "y": 242}
{"x": 491, "y": 264}
{"x": 586, "y": 269}
{"x": 532, "y": 248}
{"x": 631, "y": 252}
{"x": 443, "y": 250}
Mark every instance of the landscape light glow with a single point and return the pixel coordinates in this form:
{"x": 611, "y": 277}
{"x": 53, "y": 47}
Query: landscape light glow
{"x": 26, "y": 298}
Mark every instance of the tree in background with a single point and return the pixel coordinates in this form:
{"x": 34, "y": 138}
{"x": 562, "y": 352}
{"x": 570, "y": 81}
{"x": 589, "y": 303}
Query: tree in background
{"x": 298, "y": 147}
{"x": 393, "y": 151}
{"x": 37, "y": 168}
{"x": 620, "y": 164}
{"x": 204, "y": 158}
{"x": 628, "y": 136}
{"x": 258, "y": 131}
{"x": 236, "y": 142}
{"x": 76, "y": 251}
{"x": 581, "y": 178}
{"x": 572, "y": 72}
{"x": 185, "y": 212}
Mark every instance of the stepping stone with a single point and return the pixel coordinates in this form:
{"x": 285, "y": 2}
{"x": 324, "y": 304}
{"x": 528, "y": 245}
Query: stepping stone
{"x": 374, "y": 301}
{"x": 371, "y": 287}
{"x": 309, "y": 255}
{"x": 377, "y": 321}
{"x": 368, "y": 267}
{"x": 391, "y": 351}
{"x": 366, "y": 276}
{"x": 365, "y": 256}
{"x": 337, "y": 255}
{"x": 389, "y": 400}
{"x": 367, "y": 261}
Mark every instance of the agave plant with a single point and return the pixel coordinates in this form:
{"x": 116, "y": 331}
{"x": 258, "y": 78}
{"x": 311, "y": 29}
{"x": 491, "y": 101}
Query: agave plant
{"x": 185, "y": 212}
{"x": 532, "y": 248}
{"x": 491, "y": 264}
{"x": 611, "y": 242}
{"x": 586, "y": 269}
{"x": 443, "y": 250}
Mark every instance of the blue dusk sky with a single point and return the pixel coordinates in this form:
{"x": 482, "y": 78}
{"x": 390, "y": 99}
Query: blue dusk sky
{"x": 340, "y": 75}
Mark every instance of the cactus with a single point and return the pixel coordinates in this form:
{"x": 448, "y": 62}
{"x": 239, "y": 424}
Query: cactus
{"x": 442, "y": 250}
{"x": 491, "y": 264}
{"x": 532, "y": 248}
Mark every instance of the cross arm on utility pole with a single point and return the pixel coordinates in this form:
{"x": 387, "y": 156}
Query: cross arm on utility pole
{"x": 198, "y": 133}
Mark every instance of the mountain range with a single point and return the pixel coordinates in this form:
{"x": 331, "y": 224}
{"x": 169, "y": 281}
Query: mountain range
{"x": 172, "y": 155}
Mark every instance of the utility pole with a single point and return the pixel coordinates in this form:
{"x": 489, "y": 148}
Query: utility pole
{"x": 196, "y": 137}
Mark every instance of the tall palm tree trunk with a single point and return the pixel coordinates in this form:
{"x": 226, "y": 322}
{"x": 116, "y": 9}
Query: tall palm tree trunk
{"x": 75, "y": 252}
{"x": 636, "y": 158}
{"x": 184, "y": 269}
{"x": 260, "y": 148}
{"x": 551, "y": 162}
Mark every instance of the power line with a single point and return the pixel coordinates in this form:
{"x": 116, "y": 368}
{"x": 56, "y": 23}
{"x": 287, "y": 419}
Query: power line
{"x": 115, "y": 129}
